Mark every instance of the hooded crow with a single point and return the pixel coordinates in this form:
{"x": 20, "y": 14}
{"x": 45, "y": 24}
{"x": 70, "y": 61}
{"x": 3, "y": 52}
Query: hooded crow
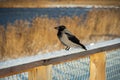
{"x": 67, "y": 38}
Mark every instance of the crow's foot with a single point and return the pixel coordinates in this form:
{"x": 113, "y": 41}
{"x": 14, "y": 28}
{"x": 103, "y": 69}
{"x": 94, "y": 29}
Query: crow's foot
{"x": 67, "y": 48}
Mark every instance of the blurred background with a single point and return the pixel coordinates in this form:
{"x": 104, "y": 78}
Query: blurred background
{"x": 27, "y": 27}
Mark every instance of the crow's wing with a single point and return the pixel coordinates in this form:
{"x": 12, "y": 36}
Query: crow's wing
{"x": 72, "y": 38}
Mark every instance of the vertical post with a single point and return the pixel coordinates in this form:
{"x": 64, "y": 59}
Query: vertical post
{"x": 97, "y": 66}
{"x": 40, "y": 73}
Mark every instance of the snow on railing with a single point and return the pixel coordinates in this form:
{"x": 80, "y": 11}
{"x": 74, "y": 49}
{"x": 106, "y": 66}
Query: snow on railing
{"x": 29, "y": 64}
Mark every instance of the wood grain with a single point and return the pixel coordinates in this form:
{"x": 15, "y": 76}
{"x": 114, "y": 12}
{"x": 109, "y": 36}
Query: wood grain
{"x": 40, "y": 73}
{"x": 98, "y": 66}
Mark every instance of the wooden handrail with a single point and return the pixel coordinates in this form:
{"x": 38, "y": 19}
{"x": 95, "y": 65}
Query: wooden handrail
{"x": 24, "y": 64}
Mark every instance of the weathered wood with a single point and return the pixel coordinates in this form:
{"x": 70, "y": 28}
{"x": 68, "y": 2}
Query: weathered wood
{"x": 40, "y": 73}
{"x": 56, "y": 58}
{"x": 97, "y": 66}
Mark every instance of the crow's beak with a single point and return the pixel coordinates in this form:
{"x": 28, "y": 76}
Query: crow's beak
{"x": 56, "y": 28}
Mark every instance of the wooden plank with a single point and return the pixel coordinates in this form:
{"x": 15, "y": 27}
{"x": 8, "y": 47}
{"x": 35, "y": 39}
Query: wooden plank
{"x": 55, "y": 58}
{"x": 97, "y": 66}
{"x": 48, "y": 3}
{"x": 40, "y": 73}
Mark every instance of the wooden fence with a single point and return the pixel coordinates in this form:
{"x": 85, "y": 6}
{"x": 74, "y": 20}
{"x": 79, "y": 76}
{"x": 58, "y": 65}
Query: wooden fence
{"x": 39, "y": 66}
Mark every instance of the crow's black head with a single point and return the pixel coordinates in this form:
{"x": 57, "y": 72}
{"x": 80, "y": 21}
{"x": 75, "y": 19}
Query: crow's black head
{"x": 60, "y": 28}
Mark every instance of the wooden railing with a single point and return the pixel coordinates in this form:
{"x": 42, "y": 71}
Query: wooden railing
{"x": 39, "y": 66}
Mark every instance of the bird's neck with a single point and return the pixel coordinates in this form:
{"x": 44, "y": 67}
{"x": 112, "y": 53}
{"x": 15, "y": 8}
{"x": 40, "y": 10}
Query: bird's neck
{"x": 59, "y": 34}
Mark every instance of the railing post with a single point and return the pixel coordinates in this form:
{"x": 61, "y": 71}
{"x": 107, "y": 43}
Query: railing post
{"x": 97, "y": 66}
{"x": 40, "y": 73}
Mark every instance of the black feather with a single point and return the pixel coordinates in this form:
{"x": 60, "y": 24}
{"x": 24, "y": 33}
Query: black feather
{"x": 75, "y": 40}
{"x": 59, "y": 34}
{"x": 72, "y": 38}
{"x": 82, "y": 46}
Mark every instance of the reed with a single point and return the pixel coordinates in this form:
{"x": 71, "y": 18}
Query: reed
{"x": 23, "y": 38}
{"x": 51, "y": 3}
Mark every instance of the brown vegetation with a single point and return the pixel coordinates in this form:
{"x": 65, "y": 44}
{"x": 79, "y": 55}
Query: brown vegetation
{"x": 55, "y": 3}
{"x": 22, "y": 39}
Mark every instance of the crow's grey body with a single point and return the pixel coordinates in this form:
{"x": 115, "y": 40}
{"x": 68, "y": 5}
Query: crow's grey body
{"x": 67, "y": 38}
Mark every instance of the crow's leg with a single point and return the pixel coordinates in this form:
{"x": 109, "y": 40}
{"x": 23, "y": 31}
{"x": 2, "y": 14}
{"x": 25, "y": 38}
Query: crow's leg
{"x": 67, "y": 48}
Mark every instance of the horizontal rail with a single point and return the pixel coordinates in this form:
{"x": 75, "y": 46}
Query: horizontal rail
{"x": 24, "y": 64}
{"x": 62, "y": 3}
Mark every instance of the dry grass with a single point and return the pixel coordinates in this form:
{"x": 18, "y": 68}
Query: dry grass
{"x": 50, "y": 3}
{"x": 21, "y": 39}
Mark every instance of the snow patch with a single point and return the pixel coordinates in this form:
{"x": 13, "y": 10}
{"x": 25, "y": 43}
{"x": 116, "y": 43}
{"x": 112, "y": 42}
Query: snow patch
{"x": 85, "y": 6}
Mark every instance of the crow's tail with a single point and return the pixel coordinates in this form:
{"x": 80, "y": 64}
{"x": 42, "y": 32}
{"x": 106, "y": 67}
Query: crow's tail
{"x": 82, "y": 46}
